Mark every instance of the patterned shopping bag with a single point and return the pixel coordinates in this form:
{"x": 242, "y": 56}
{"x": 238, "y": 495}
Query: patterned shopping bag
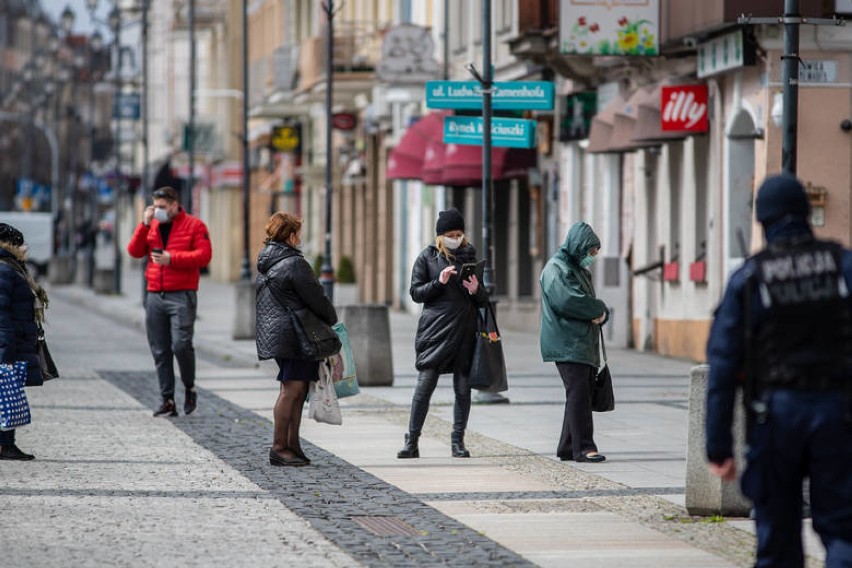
{"x": 14, "y": 409}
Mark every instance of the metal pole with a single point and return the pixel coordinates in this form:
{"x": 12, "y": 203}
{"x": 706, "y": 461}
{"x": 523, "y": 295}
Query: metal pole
{"x": 146, "y": 172}
{"x": 93, "y": 191}
{"x": 446, "y": 40}
{"x": 245, "y": 272}
{"x": 117, "y": 150}
{"x": 145, "y": 126}
{"x": 790, "y": 79}
{"x": 191, "y": 126}
{"x": 487, "y": 182}
{"x": 327, "y": 272}
{"x": 71, "y": 137}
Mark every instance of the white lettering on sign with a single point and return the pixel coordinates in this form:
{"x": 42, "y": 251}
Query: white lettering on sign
{"x": 682, "y": 107}
{"x": 521, "y": 92}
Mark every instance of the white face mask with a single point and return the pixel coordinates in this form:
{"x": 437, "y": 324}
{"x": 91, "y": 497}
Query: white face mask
{"x": 453, "y": 244}
{"x": 161, "y": 215}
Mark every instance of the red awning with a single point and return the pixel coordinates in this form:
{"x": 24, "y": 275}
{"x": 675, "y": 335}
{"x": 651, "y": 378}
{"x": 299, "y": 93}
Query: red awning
{"x": 463, "y": 164}
{"x": 406, "y": 160}
{"x": 433, "y": 163}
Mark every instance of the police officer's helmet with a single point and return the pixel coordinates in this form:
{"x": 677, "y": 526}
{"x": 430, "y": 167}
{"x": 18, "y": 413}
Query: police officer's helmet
{"x": 781, "y": 196}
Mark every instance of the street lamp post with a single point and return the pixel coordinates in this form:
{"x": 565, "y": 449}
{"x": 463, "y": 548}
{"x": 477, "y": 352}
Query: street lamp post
{"x": 245, "y": 272}
{"x": 327, "y": 270}
{"x": 245, "y": 316}
{"x": 115, "y": 21}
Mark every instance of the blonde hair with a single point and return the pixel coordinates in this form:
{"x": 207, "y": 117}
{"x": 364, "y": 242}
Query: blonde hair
{"x": 442, "y": 248}
{"x": 280, "y": 226}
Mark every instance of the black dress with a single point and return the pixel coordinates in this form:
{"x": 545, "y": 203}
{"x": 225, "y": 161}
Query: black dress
{"x": 297, "y": 370}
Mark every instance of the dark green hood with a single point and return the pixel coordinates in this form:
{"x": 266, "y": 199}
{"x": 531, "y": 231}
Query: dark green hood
{"x": 579, "y": 240}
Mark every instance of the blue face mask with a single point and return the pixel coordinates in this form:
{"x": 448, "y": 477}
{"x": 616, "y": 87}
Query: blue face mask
{"x": 587, "y": 261}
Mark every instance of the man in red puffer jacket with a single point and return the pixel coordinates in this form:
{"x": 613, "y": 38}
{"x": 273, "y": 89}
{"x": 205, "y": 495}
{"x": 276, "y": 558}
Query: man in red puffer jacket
{"x": 179, "y": 247}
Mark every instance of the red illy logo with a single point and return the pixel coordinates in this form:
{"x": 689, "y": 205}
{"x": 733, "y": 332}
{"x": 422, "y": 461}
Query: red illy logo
{"x": 684, "y": 108}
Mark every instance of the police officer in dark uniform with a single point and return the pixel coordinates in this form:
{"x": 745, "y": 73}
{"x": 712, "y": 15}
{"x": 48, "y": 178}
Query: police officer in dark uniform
{"x": 782, "y": 332}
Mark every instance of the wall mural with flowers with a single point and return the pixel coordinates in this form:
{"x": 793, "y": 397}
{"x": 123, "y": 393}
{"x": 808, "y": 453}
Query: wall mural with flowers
{"x": 609, "y": 27}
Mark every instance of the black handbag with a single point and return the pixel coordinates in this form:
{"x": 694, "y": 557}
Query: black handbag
{"x": 488, "y": 367}
{"x": 45, "y": 361}
{"x": 603, "y": 398}
{"x": 315, "y": 338}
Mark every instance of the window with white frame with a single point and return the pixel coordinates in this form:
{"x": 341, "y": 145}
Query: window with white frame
{"x": 475, "y": 16}
{"x": 503, "y": 16}
{"x": 458, "y": 26}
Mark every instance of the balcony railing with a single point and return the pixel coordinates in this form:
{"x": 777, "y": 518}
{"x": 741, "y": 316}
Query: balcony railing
{"x": 357, "y": 49}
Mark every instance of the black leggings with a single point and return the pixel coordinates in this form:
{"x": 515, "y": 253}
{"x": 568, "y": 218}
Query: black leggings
{"x": 427, "y": 380}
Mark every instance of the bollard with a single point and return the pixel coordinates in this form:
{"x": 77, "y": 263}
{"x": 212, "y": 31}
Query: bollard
{"x": 245, "y": 314}
{"x": 59, "y": 270}
{"x": 104, "y": 281}
{"x": 706, "y": 494}
{"x": 369, "y": 335}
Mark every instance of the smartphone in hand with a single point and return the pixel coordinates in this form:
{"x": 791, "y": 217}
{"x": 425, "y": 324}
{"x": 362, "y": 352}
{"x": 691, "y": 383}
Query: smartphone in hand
{"x": 470, "y": 268}
{"x": 157, "y": 250}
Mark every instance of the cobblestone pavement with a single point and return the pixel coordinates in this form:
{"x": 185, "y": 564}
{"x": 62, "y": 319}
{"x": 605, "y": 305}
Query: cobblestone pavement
{"x": 371, "y": 520}
{"x": 113, "y": 487}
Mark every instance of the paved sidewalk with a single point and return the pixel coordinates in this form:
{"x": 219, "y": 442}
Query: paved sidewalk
{"x": 626, "y": 511}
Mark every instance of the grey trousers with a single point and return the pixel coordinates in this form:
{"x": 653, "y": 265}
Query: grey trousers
{"x": 170, "y": 321}
{"x": 577, "y": 426}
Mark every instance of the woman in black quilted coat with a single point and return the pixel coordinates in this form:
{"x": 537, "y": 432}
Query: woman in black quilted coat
{"x": 22, "y": 300}
{"x": 445, "y": 332}
{"x": 286, "y": 279}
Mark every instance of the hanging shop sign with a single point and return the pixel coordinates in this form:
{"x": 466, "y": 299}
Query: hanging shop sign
{"x": 609, "y": 27}
{"x": 684, "y": 108}
{"x": 287, "y": 138}
{"x": 127, "y": 106}
{"x": 580, "y": 108}
{"x": 344, "y": 121}
{"x": 724, "y": 53}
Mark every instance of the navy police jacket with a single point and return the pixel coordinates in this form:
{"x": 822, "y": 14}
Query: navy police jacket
{"x": 726, "y": 354}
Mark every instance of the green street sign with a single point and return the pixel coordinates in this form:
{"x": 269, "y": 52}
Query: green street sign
{"x": 523, "y": 95}
{"x": 505, "y": 132}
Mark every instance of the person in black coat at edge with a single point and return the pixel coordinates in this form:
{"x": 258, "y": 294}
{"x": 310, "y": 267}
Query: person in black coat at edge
{"x": 22, "y": 300}
{"x": 445, "y": 332}
{"x": 286, "y": 280}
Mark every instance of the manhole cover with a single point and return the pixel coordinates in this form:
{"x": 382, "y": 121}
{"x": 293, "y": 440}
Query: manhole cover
{"x": 386, "y": 526}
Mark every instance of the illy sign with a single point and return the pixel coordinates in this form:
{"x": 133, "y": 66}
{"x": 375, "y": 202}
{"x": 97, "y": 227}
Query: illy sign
{"x": 684, "y": 108}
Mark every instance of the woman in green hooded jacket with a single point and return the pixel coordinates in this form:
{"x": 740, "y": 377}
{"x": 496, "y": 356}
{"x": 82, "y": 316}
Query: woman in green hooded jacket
{"x": 571, "y": 317}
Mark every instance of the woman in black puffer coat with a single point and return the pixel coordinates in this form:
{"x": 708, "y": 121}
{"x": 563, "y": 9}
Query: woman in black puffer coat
{"x": 286, "y": 279}
{"x": 22, "y": 300}
{"x": 445, "y": 332}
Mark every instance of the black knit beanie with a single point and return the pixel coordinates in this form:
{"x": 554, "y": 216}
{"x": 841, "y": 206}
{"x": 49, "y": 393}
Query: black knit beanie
{"x": 449, "y": 220}
{"x": 780, "y": 196}
{"x": 11, "y": 235}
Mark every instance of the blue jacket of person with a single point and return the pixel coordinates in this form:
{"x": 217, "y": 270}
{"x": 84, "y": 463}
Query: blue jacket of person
{"x": 782, "y": 208}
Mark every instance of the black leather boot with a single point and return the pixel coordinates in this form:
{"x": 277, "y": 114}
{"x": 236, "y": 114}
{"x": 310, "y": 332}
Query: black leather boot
{"x": 410, "y": 449}
{"x": 459, "y": 451}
